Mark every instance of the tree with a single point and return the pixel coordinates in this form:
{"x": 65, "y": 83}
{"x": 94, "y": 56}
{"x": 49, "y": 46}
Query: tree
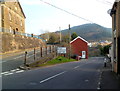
{"x": 73, "y": 36}
{"x": 105, "y": 50}
{"x": 65, "y": 38}
{"x": 53, "y": 38}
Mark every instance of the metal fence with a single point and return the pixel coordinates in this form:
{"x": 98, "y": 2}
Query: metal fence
{"x": 18, "y": 33}
{"x": 41, "y": 54}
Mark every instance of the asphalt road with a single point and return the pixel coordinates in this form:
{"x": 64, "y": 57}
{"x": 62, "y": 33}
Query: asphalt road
{"x": 83, "y": 74}
{"x": 14, "y": 62}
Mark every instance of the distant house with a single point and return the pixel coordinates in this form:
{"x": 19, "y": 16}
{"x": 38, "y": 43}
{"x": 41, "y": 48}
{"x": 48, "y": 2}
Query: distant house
{"x": 115, "y": 14}
{"x": 79, "y": 47}
{"x": 12, "y": 17}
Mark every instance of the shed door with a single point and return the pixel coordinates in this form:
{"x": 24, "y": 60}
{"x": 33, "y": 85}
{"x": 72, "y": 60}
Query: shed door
{"x": 83, "y": 54}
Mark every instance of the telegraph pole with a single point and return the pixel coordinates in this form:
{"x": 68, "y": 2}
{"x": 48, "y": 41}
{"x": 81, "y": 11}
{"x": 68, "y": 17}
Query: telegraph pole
{"x": 60, "y": 34}
{"x": 69, "y": 42}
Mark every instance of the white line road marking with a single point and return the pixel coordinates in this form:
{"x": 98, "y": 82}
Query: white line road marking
{"x": 76, "y": 67}
{"x": 15, "y": 70}
{"x": 3, "y": 61}
{"x": 19, "y": 71}
{"x": 12, "y": 72}
{"x": 86, "y": 80}
{"x": 52, "y": 77}
{"x": 4, "y": 72}
{"x": 98, "y": 88}
{"x": 8, "y": 74}
{"x": 19, "y": 57}
{"x": 30, "y": 56}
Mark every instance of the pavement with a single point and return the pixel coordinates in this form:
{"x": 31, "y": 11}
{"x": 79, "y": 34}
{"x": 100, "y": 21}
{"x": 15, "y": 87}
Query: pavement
{"x": 109, "y": 79}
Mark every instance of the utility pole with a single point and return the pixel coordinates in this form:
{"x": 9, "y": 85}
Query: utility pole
{"x": 69, "y": 42}
{"x": 60, "y": 34}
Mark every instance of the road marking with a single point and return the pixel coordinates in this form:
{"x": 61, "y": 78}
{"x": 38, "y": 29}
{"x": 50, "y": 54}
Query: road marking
{"x": 4, "y": 72}
{"x": 14, "y": 70}
{"x": 30, "y": 56}
{"x": 52, "y": 77}
{"x": 19, "y": 71}
{"x": 8, "y": 74}
{"x": 86, "y": 80}
{"x": 19, "y": 57}
{"x": 76, "y": 67}
{"x": 98, "y": 88}
{"x": 3, "y": 61}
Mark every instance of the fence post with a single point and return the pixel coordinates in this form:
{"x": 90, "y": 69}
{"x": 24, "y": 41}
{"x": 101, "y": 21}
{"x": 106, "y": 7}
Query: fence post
{"x": 34, "y": 54}
{"x": 25, "y": 61}
{"x": 56, "y": 50}
{"x": 50, "y": 48}
{"x": 41, "y": 51}
{"x": 46, "y": 50}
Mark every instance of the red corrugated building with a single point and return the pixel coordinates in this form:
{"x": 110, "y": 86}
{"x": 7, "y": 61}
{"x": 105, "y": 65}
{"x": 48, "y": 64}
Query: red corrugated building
{"x": 79, "y": 47}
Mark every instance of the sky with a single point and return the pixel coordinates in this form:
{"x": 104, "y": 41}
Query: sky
{"x": 42, "y": 18}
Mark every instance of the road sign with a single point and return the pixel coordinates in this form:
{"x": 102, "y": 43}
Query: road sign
{"x": 61, "y": 50}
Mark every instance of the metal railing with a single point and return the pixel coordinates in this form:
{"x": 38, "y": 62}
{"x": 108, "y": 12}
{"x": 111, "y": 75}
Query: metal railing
{"x": 19, "y": 33}
{"x": 40, "y": 54}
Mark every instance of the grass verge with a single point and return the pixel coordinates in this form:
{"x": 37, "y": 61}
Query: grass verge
{"x": 57, "y": 60}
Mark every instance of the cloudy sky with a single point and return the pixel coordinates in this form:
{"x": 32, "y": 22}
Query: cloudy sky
{"x": 42, "y": 17}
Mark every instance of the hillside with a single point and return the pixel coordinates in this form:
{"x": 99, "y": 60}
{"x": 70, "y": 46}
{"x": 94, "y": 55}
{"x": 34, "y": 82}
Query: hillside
{"x": 91, "y": 32}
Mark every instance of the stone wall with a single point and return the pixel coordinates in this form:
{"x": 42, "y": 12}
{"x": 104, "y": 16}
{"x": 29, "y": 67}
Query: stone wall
{"x": 12, "y": 42}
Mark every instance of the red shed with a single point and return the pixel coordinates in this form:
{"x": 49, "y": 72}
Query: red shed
{"x": 79, "y": 47}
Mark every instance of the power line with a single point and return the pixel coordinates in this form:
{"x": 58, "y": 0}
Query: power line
{"x": 66, "y": 11}
{"x": 105, "y": 2}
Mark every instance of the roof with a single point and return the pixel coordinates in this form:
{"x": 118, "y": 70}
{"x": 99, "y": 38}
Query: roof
{"x": 117, "y": 0}
{"x": 113, "y": 10}
{"x": 21, "y": 9}
{"x": 79, "y": 38}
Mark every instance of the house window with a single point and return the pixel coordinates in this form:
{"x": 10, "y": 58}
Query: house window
{"x": 10, "y": 29}
{"x": 16, "y": 8}
{"x": 16, "y": 20}
{"x": 10, "y": 17}
{"x": 21, "y": 23}
{"x": 17, "y": 29}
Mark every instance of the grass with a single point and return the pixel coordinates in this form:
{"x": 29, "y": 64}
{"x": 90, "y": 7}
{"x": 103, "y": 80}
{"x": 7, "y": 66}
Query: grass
{"x": 57, "y": 60}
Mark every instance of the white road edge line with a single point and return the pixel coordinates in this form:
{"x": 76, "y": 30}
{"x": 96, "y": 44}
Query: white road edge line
{"x": 52, "y": 77}
{"x": 76, "y": 67}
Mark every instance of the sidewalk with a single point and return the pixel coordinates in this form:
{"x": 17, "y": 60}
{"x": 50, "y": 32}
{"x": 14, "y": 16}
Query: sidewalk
{"x": 109, "y": 79}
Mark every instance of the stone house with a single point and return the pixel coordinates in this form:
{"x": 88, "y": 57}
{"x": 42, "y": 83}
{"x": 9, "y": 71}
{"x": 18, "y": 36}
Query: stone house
{"x": 12, "y": 17}
{"x": 115, "y": 14}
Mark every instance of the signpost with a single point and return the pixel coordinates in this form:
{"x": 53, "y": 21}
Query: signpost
{"x": 61, "y": 50}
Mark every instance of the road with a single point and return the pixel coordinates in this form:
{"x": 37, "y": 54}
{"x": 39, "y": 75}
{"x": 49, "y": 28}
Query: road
{"x": 14, "y": 62}
{"x": 84, "y": 74}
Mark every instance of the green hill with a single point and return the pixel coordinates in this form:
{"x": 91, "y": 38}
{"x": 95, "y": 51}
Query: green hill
{"x": 91, "y": 32}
